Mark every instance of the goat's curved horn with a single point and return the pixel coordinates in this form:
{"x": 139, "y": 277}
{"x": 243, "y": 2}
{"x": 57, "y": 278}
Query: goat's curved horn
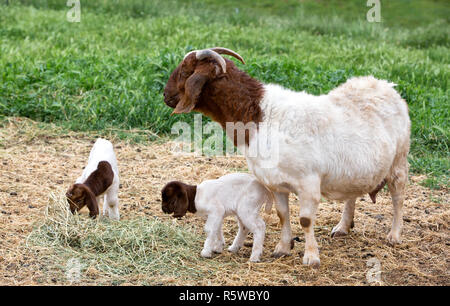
{"x": 189, "y": 53}
{"x": 226, "y": 51}
{"x": 215, "y": 54}
{"x": 202, "y": 54}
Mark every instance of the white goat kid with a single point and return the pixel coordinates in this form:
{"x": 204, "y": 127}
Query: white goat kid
{"x": 99, "y": 177}
{"x": 236, "y": 194}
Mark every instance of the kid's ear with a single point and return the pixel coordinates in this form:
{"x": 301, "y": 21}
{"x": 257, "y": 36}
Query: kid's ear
{"x": 91, "y": 202}
{"x": 181, "y": 204}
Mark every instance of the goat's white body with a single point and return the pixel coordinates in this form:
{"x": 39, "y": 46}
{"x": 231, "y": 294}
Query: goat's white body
{"x": 340, "y": 145}
{"x": 349, "y": 138}
{"x": 103, "y": 151}
{"x": 237, "y": 194}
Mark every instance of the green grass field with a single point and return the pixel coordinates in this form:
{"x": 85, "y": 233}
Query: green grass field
{"x": 108, "y": 71}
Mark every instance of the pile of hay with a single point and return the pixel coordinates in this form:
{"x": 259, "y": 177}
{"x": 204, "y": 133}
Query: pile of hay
{"x": 149, "y": 250}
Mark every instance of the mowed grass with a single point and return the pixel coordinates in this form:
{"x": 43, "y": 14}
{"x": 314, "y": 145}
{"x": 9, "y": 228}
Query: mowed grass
{"x": 108, "y": 71}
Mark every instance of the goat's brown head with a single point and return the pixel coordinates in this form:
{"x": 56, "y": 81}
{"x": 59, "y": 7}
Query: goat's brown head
{"x": 178, "y": 198}
{"x": 186, "y": 83}
{"x": 80, "y": 195}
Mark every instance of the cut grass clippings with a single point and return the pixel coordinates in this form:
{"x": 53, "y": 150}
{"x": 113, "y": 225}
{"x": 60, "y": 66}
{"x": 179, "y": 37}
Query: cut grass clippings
{"x": 112, "y": 252}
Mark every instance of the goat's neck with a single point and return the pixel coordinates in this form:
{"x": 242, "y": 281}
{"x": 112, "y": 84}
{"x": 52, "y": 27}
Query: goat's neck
{"x": 235, "y": 97}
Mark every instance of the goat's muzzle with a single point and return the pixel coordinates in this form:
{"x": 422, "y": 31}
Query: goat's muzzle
{"x": 171, "y": 101}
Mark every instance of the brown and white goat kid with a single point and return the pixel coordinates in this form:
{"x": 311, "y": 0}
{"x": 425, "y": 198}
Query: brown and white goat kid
{"x": 99, "y": 177}
{"x": 341, "y": 145}
{"x": 238, "y": 194}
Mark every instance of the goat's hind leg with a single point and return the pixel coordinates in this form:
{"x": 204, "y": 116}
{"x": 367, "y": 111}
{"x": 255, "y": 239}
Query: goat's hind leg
{"x": 257, "y": 226}
{"x": 285, "y": 244}
{"x": 396, "y": 184}
{"x": 240, "y": 238}
{"x": 212, "y": 228}
{"x": 343, "y": 227}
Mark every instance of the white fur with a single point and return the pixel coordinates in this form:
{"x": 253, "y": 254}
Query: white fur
{"x": 103, "y": 151}
{"x": 236, "y": 194}
{"x": 340, "y": 145}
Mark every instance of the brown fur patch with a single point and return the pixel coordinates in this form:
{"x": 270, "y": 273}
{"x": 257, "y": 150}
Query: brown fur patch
{"x": 305, "y": 222}
{"x": 232, "y": 97}
{"x": 178, "y": 198}
{"x": 100, "y": 179}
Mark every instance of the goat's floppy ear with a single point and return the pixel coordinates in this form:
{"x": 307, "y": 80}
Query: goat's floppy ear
{"x": 91, "y": 203}
{"x": 181, "y": 204}
{"x": 193, "y": 89}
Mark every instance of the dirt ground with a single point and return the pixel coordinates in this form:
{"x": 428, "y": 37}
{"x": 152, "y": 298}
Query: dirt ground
{"x": 35, "y": 161}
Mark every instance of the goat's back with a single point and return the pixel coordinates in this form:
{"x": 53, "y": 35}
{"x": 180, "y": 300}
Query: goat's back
{"x": 349, "y": 137}
{"x": 102, "y": 150}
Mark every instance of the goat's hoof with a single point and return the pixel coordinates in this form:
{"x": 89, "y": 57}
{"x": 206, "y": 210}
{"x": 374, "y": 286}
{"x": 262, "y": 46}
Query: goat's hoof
{"x": 254, "y": 259}
{"x": 338, "y": 231}
{"x": 338, "y": 234}
{"x": 394, "y": 239}
{"x": 218, "y": 247}
{"x": 282, "y": 249}
{"x": 233, "y": 249}
{"x": 280, "y": 254}
{"x": 206, "y": 254}
{"x": 311, "y": 260}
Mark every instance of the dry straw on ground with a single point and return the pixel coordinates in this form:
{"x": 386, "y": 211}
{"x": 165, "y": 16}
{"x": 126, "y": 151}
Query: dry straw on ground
{"x": 39, "y": 238}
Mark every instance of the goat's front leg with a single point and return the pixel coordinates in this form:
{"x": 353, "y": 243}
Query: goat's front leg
{"x": 282, "y": 205}
{"x": 111, "y": 204}
{"x": 309, "y": 194}
{"x": 220, "y": 240}
{"x": 105, "y": 205}
{"x": 212, "y": 230}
